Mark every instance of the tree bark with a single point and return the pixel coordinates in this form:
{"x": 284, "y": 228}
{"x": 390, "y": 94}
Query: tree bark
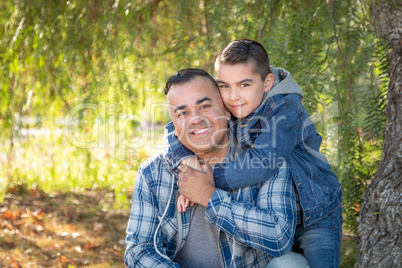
{"x": 380, "y": 222}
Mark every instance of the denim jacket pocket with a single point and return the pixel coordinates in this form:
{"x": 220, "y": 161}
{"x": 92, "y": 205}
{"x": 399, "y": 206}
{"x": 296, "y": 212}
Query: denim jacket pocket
{"x": 314, "y": 179}
{"x": 320, "y": 192}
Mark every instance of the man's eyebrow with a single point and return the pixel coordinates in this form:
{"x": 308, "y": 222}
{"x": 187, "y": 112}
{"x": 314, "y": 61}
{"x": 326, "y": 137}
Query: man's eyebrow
{"x": 181, "y": 107}
{"x": 184, "y": 106}
{"x": 202, "y": 100}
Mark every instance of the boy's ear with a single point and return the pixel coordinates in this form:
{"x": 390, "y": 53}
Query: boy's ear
{"x": 227, "y": 113}
{"x": 268, "y": 82}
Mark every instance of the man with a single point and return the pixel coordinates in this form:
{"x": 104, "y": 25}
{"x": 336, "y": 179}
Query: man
{"x": 243, "y": 228}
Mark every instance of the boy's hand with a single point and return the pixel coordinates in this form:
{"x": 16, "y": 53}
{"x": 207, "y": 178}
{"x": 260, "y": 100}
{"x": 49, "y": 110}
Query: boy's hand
{"x": 182, "y": 204}
{"x": 197, "y": 186}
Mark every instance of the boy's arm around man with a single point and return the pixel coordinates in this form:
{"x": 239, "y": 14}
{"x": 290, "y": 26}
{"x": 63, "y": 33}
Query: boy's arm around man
{"x": 270, "y": 135}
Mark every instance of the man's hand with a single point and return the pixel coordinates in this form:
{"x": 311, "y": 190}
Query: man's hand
{"x": 197, "y": 186}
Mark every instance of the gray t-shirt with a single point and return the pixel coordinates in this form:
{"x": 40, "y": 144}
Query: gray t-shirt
{"x": 201, "y": 247}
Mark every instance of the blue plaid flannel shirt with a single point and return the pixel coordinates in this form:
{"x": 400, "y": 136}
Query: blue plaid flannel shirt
{"x": 256, "y": 223}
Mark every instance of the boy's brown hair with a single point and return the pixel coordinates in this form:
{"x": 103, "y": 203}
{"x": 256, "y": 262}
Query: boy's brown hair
{"x": 244, "y": 51}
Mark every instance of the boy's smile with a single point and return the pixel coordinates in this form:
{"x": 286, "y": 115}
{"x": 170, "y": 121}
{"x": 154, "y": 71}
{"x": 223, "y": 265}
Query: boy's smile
{"x": 241, "y": 88}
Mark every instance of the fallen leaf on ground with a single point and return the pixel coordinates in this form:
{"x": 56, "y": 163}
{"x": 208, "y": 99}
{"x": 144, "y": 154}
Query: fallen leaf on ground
{"x": 16, "y": 264}
{"x": 89, "y": 246}
{"x": 7, "y": 214}
{"x": 55, "y": 246}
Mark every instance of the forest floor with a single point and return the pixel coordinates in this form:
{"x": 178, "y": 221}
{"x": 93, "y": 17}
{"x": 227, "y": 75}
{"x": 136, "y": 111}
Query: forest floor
{"x": 61, "y": 230}
{"x": 73, "y": 230}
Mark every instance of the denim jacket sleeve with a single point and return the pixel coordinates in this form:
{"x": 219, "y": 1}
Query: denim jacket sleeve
{"x": 175, "y": 151}
{"x": 268, "y": 224}
{"x": 142, "y": 224}
{"x": 279, "y": 135}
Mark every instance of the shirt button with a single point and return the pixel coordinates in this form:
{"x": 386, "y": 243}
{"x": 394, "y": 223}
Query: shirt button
{"x": 299, "y": 183}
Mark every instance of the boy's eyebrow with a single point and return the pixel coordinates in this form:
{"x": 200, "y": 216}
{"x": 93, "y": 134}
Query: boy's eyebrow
{"x": 245, "y": 80}
{"x": 181, "y": 107}
{"x": 240, "y": 82}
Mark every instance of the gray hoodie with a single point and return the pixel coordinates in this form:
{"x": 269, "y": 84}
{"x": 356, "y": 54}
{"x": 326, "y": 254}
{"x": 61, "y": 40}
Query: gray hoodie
{"x": 283, "y": 84}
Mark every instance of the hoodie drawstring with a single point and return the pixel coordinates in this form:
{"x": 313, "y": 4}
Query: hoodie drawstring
{"x": 160, "y": 222}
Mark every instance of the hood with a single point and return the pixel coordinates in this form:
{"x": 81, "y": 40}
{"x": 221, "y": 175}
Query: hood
{"x": 283, "y": 84}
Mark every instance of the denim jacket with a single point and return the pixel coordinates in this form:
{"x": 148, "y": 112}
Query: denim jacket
{"x": 256, "y": 222}
{"x": 279, "y": 130}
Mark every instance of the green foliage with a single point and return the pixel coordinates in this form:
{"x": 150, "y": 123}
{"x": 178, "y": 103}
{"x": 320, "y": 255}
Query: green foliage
{"x": 109, "y": 61}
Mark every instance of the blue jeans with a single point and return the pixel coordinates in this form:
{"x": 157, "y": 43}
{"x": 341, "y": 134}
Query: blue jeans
{"x": 320, "y": 242}
{"x": 289, "y": 260}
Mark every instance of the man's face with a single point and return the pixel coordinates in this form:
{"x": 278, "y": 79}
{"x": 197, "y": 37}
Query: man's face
{"x": 241, "y": 88}
{"x": 199, "y": 116}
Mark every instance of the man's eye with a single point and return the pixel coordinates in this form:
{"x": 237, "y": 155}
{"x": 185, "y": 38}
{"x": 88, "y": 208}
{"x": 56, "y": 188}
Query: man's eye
{"x": 182, "y": 114}
{"x": 205, "y": 106}
{"x": 245, "y": 85}
{"x": 223, "y": 86}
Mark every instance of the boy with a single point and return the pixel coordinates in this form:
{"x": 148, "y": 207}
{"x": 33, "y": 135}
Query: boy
{"x": 271, "y": 123}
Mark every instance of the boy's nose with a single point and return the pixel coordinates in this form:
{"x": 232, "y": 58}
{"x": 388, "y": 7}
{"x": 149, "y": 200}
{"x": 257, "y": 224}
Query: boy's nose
{"x": 234, "y": 94}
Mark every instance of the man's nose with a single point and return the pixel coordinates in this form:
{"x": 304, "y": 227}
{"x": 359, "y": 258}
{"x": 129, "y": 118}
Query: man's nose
{"x": 197, "y": 119}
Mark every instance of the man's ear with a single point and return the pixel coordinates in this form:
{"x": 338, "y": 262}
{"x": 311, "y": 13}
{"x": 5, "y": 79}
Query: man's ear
{"x": 268, "y": 82}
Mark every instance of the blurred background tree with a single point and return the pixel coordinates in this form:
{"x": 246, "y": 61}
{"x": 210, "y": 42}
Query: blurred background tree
{"x": 380, "y": 224}
{"x": 82, "y": 83}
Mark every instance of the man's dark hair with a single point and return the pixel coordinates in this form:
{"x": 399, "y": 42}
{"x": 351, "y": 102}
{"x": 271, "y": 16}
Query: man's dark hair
{"x": 187, "y": 75}
{"x": 245, "y": 51}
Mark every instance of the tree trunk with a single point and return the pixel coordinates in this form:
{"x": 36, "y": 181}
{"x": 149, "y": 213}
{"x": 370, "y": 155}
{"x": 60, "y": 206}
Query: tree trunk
{"x": 380, "y": 223}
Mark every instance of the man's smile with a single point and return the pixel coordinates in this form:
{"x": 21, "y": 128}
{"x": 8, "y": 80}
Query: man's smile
{"x": 200, "y": 131}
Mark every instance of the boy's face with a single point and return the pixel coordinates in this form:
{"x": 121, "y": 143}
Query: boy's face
{"x": 241, "y": 88}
